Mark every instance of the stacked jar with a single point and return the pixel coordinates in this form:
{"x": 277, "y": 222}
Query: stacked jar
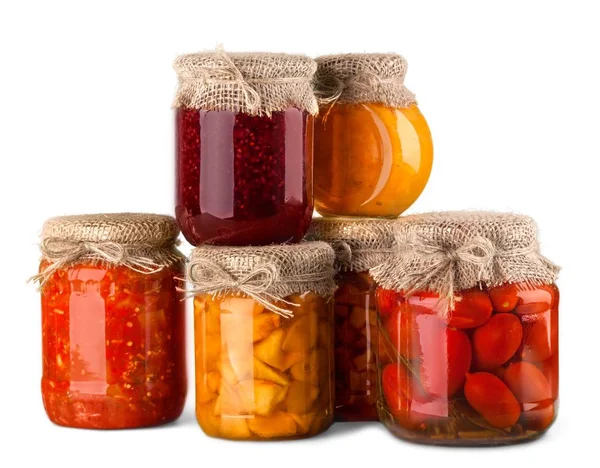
{"x": 470, "y": 319}
{"x": 373, "y": 157}
{"x": 263, "y": 304}
{"x": 113, "y": 321}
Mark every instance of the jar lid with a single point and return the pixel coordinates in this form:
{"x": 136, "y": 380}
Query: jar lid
{"x": 452, "y": 251}
{"x": 356, "y": 78}
{"x": 142, "y": 242}
{"x": 255, "y": 83}
{"x": 123, "y": 228}
{"x": 268, "y": 274}
{"x": 359, "y": 243}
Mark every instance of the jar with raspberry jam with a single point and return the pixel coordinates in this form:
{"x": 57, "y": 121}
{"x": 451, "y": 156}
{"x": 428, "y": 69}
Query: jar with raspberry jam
{"x": 244, "y": 140}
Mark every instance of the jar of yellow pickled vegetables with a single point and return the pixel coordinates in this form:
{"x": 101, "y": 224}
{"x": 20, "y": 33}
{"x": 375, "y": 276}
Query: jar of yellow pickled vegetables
{"x": 263, "y": 339}
{"x": 469, "y": 314}
{"x": 360, "y": 244}
{"x": 373, "y": 151}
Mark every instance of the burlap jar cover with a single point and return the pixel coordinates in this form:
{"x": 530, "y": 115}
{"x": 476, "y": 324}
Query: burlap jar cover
{"x": 251, "y": 83}
{"x": 145, "y": 243}
{"x": 266, "y": 274}
{"x": 449, "y": 252}
{"x": 359, "y": 244}
{"x": 356, "y": 78}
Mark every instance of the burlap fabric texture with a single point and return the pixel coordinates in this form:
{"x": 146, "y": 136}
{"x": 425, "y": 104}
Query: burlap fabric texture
{"x": 142, "y": 242}
{"x": 251, "y": 83}
{"x": 357, "y": 78}
{"x": 359, "y": 244}
{"x": 449, "y": 252}
{"x": 267, "y": 274}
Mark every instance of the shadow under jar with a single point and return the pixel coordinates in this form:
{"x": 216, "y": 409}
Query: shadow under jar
{"x": 486, "y": 374}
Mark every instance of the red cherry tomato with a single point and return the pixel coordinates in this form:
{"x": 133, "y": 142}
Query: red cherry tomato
{"x": 504, "y": 298}
{"x": 550, "y": 370}
{"x": 527, "y": 382}
{"x": 536, "y": 299}
{"x": 539, "y": 416}
{"x": 407, "y": 401}
{"x": 471, "y": 309}
{"x": 497, "y": 341}
{"x": 540, "y": 336}
{"x": 387, "y": 302}
{"x": 492, "y": 399}
{"x": 402, "y": 332}
{"x": 445, "y": 356}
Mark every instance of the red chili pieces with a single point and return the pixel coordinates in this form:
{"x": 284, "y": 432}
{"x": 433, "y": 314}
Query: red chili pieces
{"x": 113, "y": 344}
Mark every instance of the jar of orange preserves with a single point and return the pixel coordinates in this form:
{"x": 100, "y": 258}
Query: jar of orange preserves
{"x": 263, "y": 323}
{"x": 469, "y": 314}
{"x": 113, "y": 323}
{"x": 360, "y": 244}
{"x": 373, "y": 150}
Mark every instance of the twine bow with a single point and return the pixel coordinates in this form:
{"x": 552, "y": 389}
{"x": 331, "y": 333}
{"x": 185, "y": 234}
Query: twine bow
{"x": 61, "y": 252}
{"x": 331, "y": 88}
{"x": 208, "y": 277}
{"x": 443, "y": 262}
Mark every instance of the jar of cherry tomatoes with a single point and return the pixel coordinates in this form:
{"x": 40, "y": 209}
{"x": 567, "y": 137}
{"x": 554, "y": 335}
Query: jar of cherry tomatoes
{"x": 263, "y": 333}
{"x": 360, "y": 244}
{"x": 244, "y": 141}
{"x": 469, "y": 313}
{"x": 113, "y": 337}
{"x": 373, "y": 148}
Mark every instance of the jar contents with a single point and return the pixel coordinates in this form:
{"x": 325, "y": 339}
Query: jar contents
{"x": 355, "y": 343}
{"x": 261, "y": 376}
{"x": 370, "y": 159}
{"x": 243, "y": 179}
{"x": 113, "y": 347}
{"x": 486, "y": 374}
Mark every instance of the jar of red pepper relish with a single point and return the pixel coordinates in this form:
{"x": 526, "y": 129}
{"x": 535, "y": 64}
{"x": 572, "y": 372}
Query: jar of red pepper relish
{"x": 360, "y": 244}
{"x": 244, "y": 140}
{"x": 113, "y": 322}
{"x": 469, "y": 314}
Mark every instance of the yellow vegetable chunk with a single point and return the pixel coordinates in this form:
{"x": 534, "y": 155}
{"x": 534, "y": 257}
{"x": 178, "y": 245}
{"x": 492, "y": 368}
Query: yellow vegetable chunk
{"x": 264, "y": 324}
{"x": 300, "y": 397}
{"x": 302, "y": 334}
{"x": 307, "y": 370}
{"x": 304, "y": 421}
{"x": 207, "y": 418}
{"x": 265, "y": 372}
{"x": 278, "y": 425}
{"x": 234, "y": 428}
{"x": 242, "y": 305}
{"x": 260, "y": 396}
{"x": 269, "y": 349}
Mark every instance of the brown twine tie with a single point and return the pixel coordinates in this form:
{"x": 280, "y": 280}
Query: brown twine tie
{"x": 331, "y": 88}
{"x": 61, "y": 252}
{"x": 207, "y": 277}
{"x": 443, "y": 261}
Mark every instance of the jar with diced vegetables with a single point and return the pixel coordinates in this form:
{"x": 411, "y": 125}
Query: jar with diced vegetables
{"x": 263, "y": 338}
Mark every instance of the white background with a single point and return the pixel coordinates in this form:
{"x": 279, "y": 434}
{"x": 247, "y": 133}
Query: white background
{"x": 511, "y": 93}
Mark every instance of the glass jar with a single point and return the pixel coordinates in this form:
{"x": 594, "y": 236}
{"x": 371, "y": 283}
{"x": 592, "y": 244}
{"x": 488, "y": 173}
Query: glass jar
{"x": 373, "y": 147}
{"x": 355, "y": 347}
{"x": 244, "y": 146}
{"x": 486, "y": 374}
{"x": 260, "y": 376}
{"x": 113, "y": 345}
